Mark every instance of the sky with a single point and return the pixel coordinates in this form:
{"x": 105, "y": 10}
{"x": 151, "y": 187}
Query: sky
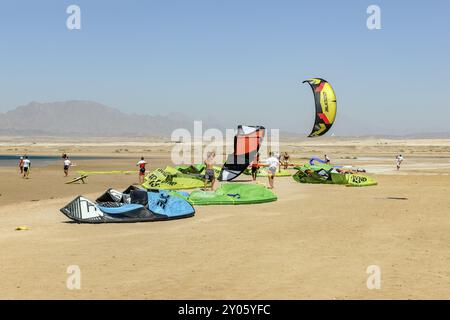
{"x": 236, "y": 60}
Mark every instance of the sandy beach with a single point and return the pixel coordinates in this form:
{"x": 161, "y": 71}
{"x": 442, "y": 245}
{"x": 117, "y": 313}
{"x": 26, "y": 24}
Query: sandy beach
{"x": 315, "y": 242}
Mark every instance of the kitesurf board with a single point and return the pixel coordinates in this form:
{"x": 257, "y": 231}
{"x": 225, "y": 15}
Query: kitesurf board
{"x": 80, "y": 178}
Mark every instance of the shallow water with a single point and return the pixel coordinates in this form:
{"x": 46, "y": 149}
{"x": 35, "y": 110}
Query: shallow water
{"x": 39, "y": 161}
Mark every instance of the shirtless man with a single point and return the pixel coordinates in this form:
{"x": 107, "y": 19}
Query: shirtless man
{"x": 285, "y": 161}
{"x": 209, "y": 171}
{"x": 21, "y": 165}
{"x": 255, "y": 166}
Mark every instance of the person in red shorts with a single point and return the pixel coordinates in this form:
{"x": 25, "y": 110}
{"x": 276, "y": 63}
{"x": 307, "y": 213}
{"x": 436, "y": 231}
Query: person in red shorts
{"x": 141, "y": 164}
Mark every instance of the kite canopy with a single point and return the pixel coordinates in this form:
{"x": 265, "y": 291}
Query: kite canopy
{"x": 197, "y": 170}
{"x": 315, "y": 159}
{"x": 131, "y": 205}
{"x": 233, "y": 194}
{"x": 247, "y": 142}
{"x": 171, "y": 179}
{"x": 326, "y": 106}
{"x": 326, "y": 174}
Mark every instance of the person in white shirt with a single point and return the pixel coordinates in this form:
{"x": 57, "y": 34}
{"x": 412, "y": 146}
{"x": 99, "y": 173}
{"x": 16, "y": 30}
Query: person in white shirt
{"x": 67, "y": 164}
{"x": 141, "y": 164}
{"x": 399, "y": 159}
{"x": 272, "y": 163}
{"x": 327, "y": 159}
{"x": 278, "y": 156}
{"x": 26, "y": 167}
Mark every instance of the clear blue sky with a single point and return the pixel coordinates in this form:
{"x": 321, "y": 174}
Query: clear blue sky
{"x": 233, "y": 57}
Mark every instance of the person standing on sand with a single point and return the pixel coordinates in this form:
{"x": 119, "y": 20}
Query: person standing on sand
{"x": 273, "y": 164}
{"x": 26, "y": 167}
{"x": 141, "y": 164}
{"x": 398, "y": 160}
{"x": 278, "y": 156}
{"x": 67, "y": 164}
{"x": 209, "y": 170}
{"x": 327, "y": 159}
{"x": 285, "y": 160}
{"x": 255, "y": 166}
{"x": 21, "y": 165}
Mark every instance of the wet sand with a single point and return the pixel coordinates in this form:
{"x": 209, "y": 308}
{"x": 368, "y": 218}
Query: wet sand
{"x": 316, "y": 241}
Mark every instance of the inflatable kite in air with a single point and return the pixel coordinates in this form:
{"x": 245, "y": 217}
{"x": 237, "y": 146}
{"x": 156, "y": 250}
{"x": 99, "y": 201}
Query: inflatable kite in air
{"x": 247, "y": 142}
{"x": 326, "y": 106}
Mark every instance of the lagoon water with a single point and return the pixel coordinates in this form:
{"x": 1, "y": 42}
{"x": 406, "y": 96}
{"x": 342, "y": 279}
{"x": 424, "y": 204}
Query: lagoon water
{"x": 36, "y": 160}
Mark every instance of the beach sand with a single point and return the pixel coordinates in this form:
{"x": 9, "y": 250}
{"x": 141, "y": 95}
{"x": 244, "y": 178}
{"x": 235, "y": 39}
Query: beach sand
{"x": 315, "y": 242}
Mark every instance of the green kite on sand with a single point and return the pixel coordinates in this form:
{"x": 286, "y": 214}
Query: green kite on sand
{"x": 197, "y": 169}
{"x": 171, "y": 179}
{"x": 231, "y": 194}
{"x": 326, "y": 174}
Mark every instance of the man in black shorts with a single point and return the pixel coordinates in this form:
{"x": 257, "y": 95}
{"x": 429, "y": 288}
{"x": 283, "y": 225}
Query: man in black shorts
{"x": 255, "y": 166}
{"x": 209, "y": 171}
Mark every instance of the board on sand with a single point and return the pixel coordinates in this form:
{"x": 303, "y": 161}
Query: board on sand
{"x": 80, "y": 178}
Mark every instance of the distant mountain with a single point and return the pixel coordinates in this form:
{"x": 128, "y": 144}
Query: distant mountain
{"x": 92, "y": 119}
{"x": 86, "y": 118}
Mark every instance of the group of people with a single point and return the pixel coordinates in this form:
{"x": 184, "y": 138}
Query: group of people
{"x": 24, "y": 167}
{"x": 273, "y": 164}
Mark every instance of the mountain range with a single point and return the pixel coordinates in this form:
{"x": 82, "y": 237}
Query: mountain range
{"x": 86, "y": 118}
{"x": 91, "y": 119}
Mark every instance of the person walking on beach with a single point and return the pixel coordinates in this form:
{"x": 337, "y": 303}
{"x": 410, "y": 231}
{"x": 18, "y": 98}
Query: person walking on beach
{"x": 67, "y": 164}
{"x": 141, "y": 164}
{"x": 255, "y": 166}
{"x": 26, "y": 167}
{"x": 398, "y": 160}
{"x": 327, "y": 159}
{"x": 21, "y": 165}
{"x": 285, "y": 159}
{"x": 209, "y": 171}
{"x": 273, "y": 163}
